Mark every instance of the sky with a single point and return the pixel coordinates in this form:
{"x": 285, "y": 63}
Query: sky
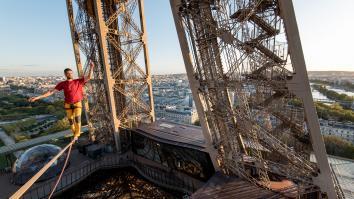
{"x": 35, "y": 37}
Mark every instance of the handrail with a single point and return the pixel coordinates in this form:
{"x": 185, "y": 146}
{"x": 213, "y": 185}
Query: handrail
{"x": 30, "y": 182}
{"x": 71, "y": 178}
{"x": 338, "y": 188}
{"x": 152, "y": 174}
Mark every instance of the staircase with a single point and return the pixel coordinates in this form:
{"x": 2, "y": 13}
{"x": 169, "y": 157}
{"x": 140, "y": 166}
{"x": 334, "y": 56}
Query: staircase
{"x": 243, "y": 14}
{"x": 248, "y": 14}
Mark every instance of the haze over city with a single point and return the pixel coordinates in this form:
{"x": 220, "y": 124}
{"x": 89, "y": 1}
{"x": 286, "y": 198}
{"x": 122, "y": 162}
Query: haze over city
{"x": 37, "y": 45}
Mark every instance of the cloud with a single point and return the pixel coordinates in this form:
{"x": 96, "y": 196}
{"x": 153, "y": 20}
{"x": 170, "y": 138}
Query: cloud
{"x": 12, "y": 66}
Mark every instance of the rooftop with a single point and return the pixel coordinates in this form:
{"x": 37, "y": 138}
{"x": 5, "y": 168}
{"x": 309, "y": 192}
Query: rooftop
{"x": 175, "y": 133}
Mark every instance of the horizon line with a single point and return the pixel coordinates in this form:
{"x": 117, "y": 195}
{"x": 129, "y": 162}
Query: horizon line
{"x": 156, "y": 74}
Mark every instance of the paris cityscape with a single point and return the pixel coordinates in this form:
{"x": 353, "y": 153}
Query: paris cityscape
{"x": 174, "y": 102}
{"x": 202, "y": 99}
{"x": 173, "y": 99}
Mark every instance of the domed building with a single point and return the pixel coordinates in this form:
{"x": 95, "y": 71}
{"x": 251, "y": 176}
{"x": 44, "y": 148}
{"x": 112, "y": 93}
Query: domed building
{"x": 33, "y": 159}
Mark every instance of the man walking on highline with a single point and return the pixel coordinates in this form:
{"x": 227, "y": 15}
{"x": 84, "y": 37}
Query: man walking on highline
{"x": 73, "y": 92}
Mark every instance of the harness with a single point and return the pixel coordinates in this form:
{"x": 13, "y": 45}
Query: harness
{"x": 72, "y": 107}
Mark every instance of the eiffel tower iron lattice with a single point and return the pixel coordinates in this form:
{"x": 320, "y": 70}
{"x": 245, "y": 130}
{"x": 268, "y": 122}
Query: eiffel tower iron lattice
{"x": 248, "y": 77}
{"x": 112, "y": 34}
{"x": 247, "y": 74}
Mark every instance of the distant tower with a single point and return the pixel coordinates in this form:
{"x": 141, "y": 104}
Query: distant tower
{"x": 252, "y": 48}
{"x": 113, "y": 35}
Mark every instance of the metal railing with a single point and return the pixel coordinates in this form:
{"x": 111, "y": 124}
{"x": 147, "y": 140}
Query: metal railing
{"x": 338, "y": 188}
{"x": 75, "y": 176}
{"x": 168, "y": 179}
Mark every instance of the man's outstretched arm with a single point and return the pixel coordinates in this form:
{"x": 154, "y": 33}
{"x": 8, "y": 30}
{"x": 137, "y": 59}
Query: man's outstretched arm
{"x": 46, "y": 94}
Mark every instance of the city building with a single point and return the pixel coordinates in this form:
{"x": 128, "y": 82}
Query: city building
{"x": 343, "y": 130}
{"x": 32, "y": 86}
{"x": 179, "y": 114}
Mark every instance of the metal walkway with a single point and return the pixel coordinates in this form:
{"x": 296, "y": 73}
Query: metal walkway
{"x": 148, "y": 169}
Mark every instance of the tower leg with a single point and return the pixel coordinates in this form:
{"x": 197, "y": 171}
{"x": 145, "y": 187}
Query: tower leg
{"x": 109, "y": 81}
{"x": 300, "y": 86}
{"x": 193, "y": 83}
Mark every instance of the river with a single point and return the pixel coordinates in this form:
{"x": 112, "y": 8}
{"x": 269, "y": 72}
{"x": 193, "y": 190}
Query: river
{"x": 340, "y": 91}
{"x": 319, "y": 96}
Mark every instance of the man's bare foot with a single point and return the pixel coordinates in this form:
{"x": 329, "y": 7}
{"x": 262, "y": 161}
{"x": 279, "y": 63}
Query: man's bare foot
{"x": 76, "y": 138}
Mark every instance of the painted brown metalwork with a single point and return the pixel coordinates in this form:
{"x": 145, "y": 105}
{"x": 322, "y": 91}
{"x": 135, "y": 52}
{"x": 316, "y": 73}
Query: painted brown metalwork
{"x": 247, "y": 74}
{"x": 251, "y": 50}
{"x": 113, "y": 35}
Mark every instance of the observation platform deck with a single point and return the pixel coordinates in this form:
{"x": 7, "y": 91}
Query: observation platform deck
{"x": 168, "y": 132}
{"x": 186, "y": 136}
{"x": 82, "y": 166}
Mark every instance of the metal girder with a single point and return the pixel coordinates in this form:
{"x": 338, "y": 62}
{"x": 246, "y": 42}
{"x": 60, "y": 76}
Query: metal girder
{"x": 246, "y": 71}
{"x": 113, "y": 35}
{"x": 129, "y": 40}
{"x": 251, "y": 48}
{"x": 194, "y": 83}
{"x": 301, "y": 87}
{"x": 85, "y": 45}
{"x": 221, "y": 117}
{"x": 109, "y": 82}
{"x": 76, "y": 48}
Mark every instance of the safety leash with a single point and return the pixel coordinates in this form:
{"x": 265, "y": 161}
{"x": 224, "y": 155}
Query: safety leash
{"x": 62, "y": 171}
